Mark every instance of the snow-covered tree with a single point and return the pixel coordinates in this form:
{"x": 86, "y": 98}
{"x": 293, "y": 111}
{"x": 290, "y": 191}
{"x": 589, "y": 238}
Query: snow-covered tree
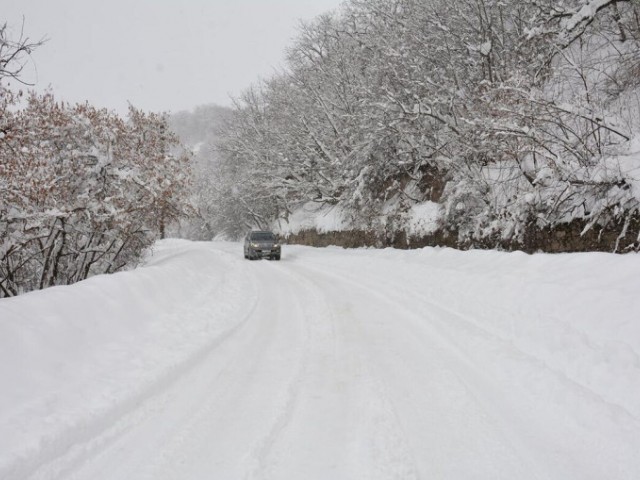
{"x": 512, "y": 114}
{"x": 82, "y": 191}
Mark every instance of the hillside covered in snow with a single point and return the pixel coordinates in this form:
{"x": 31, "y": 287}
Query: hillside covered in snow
{"x": 519, "y": 119}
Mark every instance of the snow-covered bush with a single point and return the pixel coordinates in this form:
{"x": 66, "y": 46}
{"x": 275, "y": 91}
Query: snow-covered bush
{"x": 82, "y": 191}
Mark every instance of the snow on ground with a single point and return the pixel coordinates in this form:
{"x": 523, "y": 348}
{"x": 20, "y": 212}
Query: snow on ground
{"x": 332, "y": 363}
{"x": 314, "y": 216}
{"x": 423, "y": 219}
{"x": 419, "y": 220}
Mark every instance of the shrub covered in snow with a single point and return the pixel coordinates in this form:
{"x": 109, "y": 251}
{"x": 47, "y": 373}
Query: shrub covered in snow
{"x": 82, "y": 191}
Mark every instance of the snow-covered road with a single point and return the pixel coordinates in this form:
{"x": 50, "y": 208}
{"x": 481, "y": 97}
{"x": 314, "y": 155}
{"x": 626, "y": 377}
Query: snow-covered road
{"x": 330, "y": 364}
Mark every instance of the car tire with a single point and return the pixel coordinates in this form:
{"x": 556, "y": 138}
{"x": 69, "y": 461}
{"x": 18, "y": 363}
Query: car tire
{"x": 277, "y": 257}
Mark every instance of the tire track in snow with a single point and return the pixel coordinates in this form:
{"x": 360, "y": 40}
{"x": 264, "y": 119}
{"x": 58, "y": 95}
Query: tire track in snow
{"x": 260, "y": 372}
{"x": 194, "y": 433}
{"x": 491, "y": 333}
{"x": 444, "y": 361}
{"x": 258, "y": 465}
{"x": 375, "y": 447}
{"x": 484, "y": 388}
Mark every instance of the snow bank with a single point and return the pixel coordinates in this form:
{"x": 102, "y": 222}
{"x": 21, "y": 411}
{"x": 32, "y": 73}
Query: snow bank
{"x": 423, "y": 219}
{"x": 419, "y": 220}
{"x": 313, "y": 216}
{"x": 74, "y": 358}
{"x": 578, "y": 314}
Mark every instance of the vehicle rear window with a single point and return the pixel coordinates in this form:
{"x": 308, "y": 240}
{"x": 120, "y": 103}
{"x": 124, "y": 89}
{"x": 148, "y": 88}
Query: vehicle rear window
{"x": 262, "y": 236}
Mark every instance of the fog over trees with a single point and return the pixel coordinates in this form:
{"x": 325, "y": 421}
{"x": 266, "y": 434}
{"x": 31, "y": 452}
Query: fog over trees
{"x": 198, "y": 130}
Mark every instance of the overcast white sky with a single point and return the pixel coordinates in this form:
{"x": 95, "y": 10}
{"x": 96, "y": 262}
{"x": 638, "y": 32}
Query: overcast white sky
{"x": 159, "y": 55}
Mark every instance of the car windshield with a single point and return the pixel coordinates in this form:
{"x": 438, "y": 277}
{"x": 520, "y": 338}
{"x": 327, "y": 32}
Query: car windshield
{"x": 263, "y": 237}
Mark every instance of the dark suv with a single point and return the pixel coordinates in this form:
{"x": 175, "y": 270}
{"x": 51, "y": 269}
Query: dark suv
{"x": 261, "y": 244}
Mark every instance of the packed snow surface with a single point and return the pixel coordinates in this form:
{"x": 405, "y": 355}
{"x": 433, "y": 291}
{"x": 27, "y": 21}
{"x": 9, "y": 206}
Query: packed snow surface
{"x": 330, "y": 364}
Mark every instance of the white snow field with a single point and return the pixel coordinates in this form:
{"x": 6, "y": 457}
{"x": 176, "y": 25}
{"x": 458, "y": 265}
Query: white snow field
{"x": 330, "y": 364}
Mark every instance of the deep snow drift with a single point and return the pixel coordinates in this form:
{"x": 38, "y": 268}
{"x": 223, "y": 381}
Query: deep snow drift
{"x": 331, "y": 363}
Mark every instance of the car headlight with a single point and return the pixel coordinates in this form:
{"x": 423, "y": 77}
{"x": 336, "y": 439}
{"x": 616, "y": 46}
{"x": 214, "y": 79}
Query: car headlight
{"x": 276, "y": 245}
{"x": 255, "y": 245}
